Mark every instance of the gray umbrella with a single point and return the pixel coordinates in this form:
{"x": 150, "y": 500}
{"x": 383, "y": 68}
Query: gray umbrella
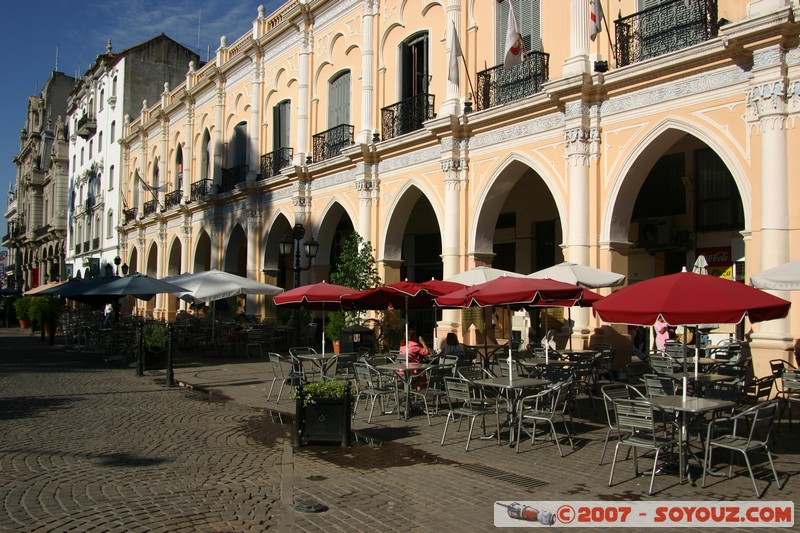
{"x": 138, "y": 285}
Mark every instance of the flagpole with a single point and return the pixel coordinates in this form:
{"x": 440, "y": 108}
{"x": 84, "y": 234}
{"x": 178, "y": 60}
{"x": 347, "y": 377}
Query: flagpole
{"x": 608, "y": 31}
{"x": 469, "y": 78}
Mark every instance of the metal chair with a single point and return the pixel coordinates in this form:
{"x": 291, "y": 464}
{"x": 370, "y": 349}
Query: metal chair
{"x": 612, "y": 392}
{"x": 370, "y": 386}
{"x": 662, "y": 365}
{"x": 342, "y": 365}
{"x": 433, "y": 388}
{"x": 464, "y": 400}
{"x": 305, "y": 368}
{"x": 641, "y": 424}
{"x": 750, "y": 431}
{"x": 659, "y": 385}
{"x": 548, "y": 406}
{"x": 790, "y": 390}
{"x": 279, "y": 363}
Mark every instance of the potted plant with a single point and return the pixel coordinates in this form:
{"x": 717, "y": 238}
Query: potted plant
{"x": 323, "y": 412}
{"x": 155, "y": 337}
{"x": 44, "y": 310}
{"x": 335, "y": 321}
{"x": 22, "y": 310}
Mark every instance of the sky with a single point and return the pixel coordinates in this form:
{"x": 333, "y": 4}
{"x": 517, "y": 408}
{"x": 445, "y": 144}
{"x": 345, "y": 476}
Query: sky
{"x": 37, "y": 37}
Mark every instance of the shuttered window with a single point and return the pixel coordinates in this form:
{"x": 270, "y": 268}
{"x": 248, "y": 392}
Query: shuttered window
{"x": 280, "y": 125}
{"x": 528, "y": 21}
{"x": 339, "y": 94}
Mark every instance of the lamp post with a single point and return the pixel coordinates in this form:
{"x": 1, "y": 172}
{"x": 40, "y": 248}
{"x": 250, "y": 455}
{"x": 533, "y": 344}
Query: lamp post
{"x": 289, "y": 245}
{"x": 117, "y": 261}
{"x": 125, "y": 269}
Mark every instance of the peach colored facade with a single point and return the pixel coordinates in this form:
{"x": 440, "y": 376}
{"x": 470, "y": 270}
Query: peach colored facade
{"x": 555, "y": 174}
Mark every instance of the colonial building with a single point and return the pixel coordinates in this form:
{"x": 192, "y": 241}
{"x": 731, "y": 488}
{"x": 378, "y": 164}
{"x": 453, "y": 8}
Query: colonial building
{"x": 444, "y": 143}
{"x": 115, "y": 86}
{"x": 36, "y": 211}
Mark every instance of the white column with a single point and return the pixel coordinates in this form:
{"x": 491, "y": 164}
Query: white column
{"x": 218, "y": 110}
{"x": 254, "y": 128}
{"x": 451, "y": 240}
{"x": 768, "y": 101}
{"x": 578, "y": 240}
{"x": 253, "y": 251}
{"x": 163, "y": 164}
{"x": 367, "y": 72}
{"x": 188, "y": 131}
{"x": 303, "y": 101}
{"x": 367, "y": 196}
{"x": 578, "y": 61}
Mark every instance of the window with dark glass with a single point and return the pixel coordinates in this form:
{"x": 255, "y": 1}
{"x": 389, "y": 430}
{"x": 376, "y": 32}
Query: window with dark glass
{"x": 663, "y": 193}
{"x": 414, "y": 66}
{"x": 718, "y": 205}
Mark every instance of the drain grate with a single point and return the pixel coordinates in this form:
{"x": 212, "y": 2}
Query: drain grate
{"x": 515, "y": 479}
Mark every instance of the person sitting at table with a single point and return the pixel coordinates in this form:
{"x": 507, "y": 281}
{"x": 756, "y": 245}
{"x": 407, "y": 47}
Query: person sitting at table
{"x": 452, "y": 346}
{"x": 416, "y": 351}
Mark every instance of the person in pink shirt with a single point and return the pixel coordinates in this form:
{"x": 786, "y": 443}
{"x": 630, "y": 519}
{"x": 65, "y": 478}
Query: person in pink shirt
{"x": 662, "y": 333}
{"x": 417, "y": 352}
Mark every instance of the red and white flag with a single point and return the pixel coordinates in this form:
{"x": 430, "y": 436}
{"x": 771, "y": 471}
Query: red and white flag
{"x": 513, "y": 40}
{"x": 595, "y": 18}
{"x": 455, "y": 53}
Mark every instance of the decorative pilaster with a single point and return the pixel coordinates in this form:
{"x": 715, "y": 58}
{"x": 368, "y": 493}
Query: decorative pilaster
{"x": 368, "y": 187}
{"x": 369, "y": 11}
{"x": 255, "y": 118}
{"x": 218, "y": 111}
{"x": 188, "y": 132}
{"x": 578, "y": 61}
{"x": 302, "y": 94}
{"x": 217, "y": 226}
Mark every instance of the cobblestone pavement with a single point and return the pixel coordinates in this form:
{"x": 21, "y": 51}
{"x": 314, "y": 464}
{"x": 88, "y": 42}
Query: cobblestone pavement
{"x": 89, "y": 446}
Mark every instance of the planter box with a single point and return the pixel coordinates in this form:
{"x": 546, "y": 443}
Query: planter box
{"x": 328, "y": 420}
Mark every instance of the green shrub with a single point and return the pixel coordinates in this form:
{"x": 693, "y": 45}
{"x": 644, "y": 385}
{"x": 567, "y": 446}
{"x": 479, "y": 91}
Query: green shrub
{"x": 333, "y": 389}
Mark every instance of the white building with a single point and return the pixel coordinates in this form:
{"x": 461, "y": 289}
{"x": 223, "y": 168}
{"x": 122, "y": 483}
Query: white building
{"x": 116, "y": 86}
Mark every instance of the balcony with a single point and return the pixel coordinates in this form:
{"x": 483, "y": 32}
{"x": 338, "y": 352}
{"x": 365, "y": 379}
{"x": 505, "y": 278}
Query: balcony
{"x": 38, "y": 233}
{"x": 96, "y": 243}
{"x": 77, "y": 248}
{"x": 499, "y": 85}
{"x": 664, "y": 28}
{"x": 406, "y": 116}
{"x": 233, "y": 176}
{"x": 330, "y": 143}
{"x": 200, "y": 189}
{"x": 87, "y": 126}
{"x": 173, "y": 199}
{"x": 273, "y": 162}
{"x": 150, "y": 207}
{"x": 129, "y": 215}
{"x": 86, "y": 246}
{"x": 90, "y": 203}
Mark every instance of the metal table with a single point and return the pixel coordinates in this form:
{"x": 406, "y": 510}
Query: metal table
{"x": 405, "y": 371}
{"x": 506, "y": 386}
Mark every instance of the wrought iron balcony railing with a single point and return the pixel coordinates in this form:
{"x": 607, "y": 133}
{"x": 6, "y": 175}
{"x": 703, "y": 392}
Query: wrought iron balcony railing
{"x": 173, "y": 199}
{"x": 499, "y": 85}
{"x": 87, "y": 125}
{"x": 330, "y": 143}
{"x": 42, "y": 231}
{"x": 198, "y": 189}
{"x": 233, "y": 176}
{"x": 86, "y": 246}
{"x": 664, "y": 28}
{"x": 150, "y": 207}
{"x": 407, "y": 115}
{"x": 129, "y": 215}
{"x": 275, "y": 161}
{"x": 90, "y": 202}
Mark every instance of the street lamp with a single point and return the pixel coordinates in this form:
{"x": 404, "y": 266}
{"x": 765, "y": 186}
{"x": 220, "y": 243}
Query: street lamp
{"x": 108, "y": 270}
{"x": 289, "y": 245}
{"x": 117, "y": 261}
{"x": 125, "y": 269}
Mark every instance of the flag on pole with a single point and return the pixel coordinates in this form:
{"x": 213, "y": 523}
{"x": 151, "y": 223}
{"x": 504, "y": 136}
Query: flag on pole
{"x": 595, "y": 18}
{"x": 513, "y": 40}
{"x": 455, "y": 53}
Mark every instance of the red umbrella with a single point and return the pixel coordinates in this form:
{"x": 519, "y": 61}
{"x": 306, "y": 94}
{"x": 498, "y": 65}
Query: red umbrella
{"x": 316, "y": 296}
{"x": 513, "y": 292}
{"x": 319, "y": 296}
{"x": 686, "y": 299}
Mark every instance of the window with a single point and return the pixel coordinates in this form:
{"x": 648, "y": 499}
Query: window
{"x": 91, "y": 146}
{"x": 109, "y": 224}
{"x": 414, "y": 66}
{"x": 100, "y": 141}
{"x": 280, "y": 125}
{"x": 205, "y": 154}
{"x": 111, "y": 178}
{"x": 339, "y": 105}
{"x": 82, "y": 156}
{"x": 717, "y": 202}
{"x": 102, "y": 97}
{"x": 97, "y": 226}
{"x": 179, "y": 168}
{"x": 111, "y": 131}
{"x": 239, "y": 145}
{"x": 528, "y": 22}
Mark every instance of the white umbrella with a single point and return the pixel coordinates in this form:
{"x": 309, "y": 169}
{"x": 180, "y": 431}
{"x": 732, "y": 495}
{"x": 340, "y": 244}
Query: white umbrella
{"x": 585, "y": 276}
{"x": 784, "y": 277}
{"x": 212, "y": 285}
{"x": 700, "y": 265}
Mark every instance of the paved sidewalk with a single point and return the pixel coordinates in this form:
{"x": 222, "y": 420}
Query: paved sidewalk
{"x": 396, "y": 476}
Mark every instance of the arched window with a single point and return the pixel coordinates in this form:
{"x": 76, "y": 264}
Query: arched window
{"x": 110, "y": 224}
{"x": 179, "y": 168}
{"x": 111, "y": 178}
{"x": 205, "y": 156}
{"x": 281, "y": 114}
{"x": 414, "y": 66}
{"x": 111, "y": 132}
{"x": 239, "y": 145}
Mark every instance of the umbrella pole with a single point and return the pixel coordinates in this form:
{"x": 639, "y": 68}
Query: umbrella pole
{"x": 510, "y": 359}
{"x": 546, "y": 341}
{"x": 323, "y": 329}
{"x": 569, "y": 319}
